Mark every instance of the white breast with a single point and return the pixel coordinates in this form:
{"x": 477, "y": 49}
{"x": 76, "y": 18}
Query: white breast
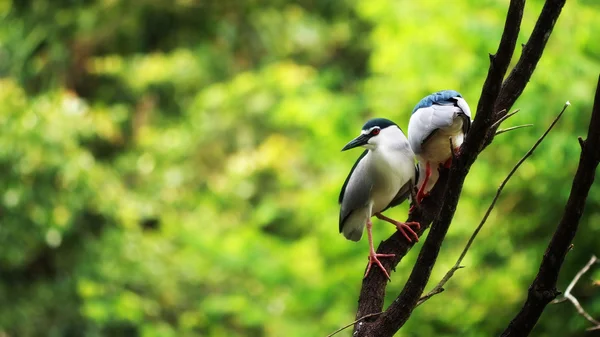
{"x": 437, "y": 148}
{"x": 394, "y": 168}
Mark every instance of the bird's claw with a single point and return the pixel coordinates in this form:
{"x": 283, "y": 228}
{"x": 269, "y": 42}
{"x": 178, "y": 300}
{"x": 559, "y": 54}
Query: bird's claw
{"x": 404, "y": 227}
{"x": 373, "y": 258}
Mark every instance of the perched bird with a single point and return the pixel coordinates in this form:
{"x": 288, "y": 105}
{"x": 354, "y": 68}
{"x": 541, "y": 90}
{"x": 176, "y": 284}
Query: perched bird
{"x": 382, "y": 177}
{"x": 435, "y": 120}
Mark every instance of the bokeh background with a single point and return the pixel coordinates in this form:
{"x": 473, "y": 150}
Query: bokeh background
{"x": 171, "y": 168}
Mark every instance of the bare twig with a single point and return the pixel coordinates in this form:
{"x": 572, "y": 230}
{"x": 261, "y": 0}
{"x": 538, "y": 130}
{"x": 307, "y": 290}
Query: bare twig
{"x": 576, "y": 279}
{"x": 450, "y": 273}
{"x": 568, "y": 296}
{"x": 503, "y": 118}
{"x": 513, "y": 128}
{"x": 439, "y": 288}
{"x": 351, "y": 324}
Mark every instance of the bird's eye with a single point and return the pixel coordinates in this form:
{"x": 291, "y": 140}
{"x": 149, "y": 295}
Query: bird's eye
{"x": 375, "y": 132}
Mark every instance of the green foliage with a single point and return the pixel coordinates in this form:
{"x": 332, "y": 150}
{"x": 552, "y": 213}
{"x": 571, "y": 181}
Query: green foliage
{"x": 172, "y": 168}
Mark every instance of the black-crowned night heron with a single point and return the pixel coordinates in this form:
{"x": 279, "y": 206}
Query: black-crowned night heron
{"x": 435, "y": 120}
{"x": 382, "y": 177}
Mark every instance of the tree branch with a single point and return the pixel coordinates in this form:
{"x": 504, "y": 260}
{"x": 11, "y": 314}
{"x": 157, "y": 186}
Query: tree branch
{"x": 504, "y": 117}
{"x": 373, "y": 289}
{"x": 444, "y": 196}
{"x": 440, "y": 286}
{"x": 532, "y": 52}
{"x": 501, "y": 131}
{"x": 543, "y": 289}
{"x": 351, "y": 324}
{"x": 574, "y": 301}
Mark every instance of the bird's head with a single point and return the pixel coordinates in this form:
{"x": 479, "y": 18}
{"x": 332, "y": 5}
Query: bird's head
{"x": 375, "y": 132}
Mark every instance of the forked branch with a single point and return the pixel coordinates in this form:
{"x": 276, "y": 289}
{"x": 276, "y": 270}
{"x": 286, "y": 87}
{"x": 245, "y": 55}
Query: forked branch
{"x": 440, "y": 286}
{"x": 568, "y": 296}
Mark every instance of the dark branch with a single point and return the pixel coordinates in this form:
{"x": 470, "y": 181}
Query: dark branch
{"x": 447, "y": 189}
{"x": 532, "y": 52}
{"x": 373, "y": 287}
{"x": 543, "y": 289}
{"x": 485, "y": 116}
{"x": 440, "y": 286}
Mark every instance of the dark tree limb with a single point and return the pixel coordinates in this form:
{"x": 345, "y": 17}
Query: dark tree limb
{"x": 532, "y": 52}
{"x": 373, "y": 287}
{"x": 543, "y": 289}
{"x": 448, "y": 187}
{"x": 440, "y": 286}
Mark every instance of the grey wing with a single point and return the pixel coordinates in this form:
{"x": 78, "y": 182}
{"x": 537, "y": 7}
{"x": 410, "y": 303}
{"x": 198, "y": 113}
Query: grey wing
{"x": 425, "y": 121}
{"x": 402, "y": 195}
{"x": 357, "y": 191}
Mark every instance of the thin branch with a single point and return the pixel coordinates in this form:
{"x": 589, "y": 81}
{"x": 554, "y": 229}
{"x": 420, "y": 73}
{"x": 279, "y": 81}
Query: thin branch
{"x": 457, "y": 265}
{"x": 573, "y": 300}
{"x": 515, "y": 83}
{"x": 501, "y": 131}
{"x": 576, "y": 278}
{"x": 351, "y": 324}
{"x": 543, "y": 289}
{"x": 503, "y": 118}
{"x": 439, "y": 288}
{"x": 583, "y": 312}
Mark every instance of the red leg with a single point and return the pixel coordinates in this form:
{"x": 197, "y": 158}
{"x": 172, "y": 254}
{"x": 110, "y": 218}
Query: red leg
{"x": 372, "y": 255}
{"x": 421, "y": 193}
{"x": 403, "y": 227}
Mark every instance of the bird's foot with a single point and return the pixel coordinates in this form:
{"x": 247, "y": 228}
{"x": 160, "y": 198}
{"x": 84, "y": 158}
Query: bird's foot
{"x": 405, "y": 229}
{"x": 373, "y": 258}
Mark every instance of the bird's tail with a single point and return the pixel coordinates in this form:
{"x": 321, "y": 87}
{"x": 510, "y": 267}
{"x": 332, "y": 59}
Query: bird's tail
{"x": 353, "y": 228}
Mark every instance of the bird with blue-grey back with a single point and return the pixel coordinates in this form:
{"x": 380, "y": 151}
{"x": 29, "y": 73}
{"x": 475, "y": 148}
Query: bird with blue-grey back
{"x": 437, "y": 120}
{"x": 382, "y": 177}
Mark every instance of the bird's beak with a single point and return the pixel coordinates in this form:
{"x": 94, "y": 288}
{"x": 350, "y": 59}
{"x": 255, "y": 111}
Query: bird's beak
{"x": 356, "y": 142}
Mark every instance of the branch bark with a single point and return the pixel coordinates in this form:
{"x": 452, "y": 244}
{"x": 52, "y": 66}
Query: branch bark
{"x": 440, "y": 286}
{"x": 543, "y": 289}
{"x": 449, "y": 185}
